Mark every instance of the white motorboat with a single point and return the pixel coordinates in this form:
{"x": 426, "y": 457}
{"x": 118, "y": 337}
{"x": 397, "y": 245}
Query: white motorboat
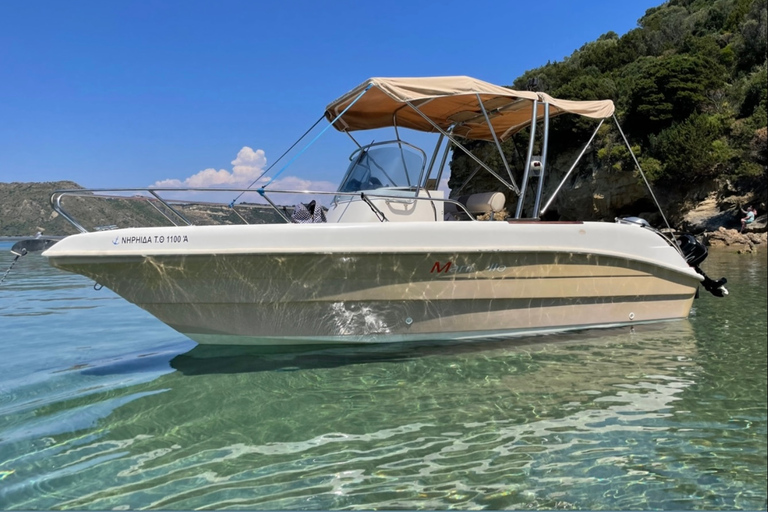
{"x": 392, "y": 259}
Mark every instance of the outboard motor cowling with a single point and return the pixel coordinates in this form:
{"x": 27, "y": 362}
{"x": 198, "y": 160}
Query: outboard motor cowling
{"x": 694, "y": 253}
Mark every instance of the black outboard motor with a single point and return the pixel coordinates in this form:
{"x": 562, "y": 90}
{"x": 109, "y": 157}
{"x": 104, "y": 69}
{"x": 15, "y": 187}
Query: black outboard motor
{"x": 694, "y": 253}
{"x": 692, "y": 250}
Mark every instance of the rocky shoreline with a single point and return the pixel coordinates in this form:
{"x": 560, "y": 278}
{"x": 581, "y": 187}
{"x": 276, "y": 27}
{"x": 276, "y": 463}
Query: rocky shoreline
{"x": 743, "y": 243}
{"x": 716, "y": 222}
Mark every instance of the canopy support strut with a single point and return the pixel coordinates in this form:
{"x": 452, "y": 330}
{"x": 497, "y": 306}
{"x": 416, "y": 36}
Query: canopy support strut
{"x": 528, "y": 158}
{"x": 575, "y": 163}
{"x": 510, "y": 186}
{"x": 261, "y": 189}
{"x": 496, "y": 140}
{"x": 647, "y": 184}
{"x": 542, "y": 172}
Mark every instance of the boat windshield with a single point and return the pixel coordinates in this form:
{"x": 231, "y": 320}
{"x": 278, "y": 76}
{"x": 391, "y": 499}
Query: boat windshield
{"x": 386, "y": 164}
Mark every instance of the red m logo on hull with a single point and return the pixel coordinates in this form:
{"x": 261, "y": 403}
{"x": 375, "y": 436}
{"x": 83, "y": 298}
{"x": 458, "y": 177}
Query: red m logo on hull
{"x": 439, "y": 269}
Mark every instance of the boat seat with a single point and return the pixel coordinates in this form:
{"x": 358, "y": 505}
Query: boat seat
{"x": 478, "y": 204}
{"x": 484, "y": 202}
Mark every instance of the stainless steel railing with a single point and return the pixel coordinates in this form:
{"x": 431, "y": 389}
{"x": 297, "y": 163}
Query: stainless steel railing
{"x": 169, "y": 208}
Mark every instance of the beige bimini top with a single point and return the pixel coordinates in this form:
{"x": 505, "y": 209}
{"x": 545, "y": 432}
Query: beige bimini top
{"x": 449, "y": 100}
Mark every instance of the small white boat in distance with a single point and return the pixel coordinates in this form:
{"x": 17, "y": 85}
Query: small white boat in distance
{"x": 391, "y": 259}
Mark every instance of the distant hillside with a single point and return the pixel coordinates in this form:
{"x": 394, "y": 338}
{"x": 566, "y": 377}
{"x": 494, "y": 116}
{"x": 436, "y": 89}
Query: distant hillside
{"x": 25, "y": 209}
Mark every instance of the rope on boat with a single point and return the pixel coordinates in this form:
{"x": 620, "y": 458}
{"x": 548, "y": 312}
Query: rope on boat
{"x": 261, "y": 190}
{"x": 232, "y": 204}
{"x": 23, "y": 253}
{"x": 647, "y": 184}
{"x": 373, "y": 207}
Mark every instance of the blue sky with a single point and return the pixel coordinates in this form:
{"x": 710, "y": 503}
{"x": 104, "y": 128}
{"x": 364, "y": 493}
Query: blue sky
{"x": 114, "y": 93}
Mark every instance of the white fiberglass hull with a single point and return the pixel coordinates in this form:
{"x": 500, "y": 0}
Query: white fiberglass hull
{"x": 369, "y": 283}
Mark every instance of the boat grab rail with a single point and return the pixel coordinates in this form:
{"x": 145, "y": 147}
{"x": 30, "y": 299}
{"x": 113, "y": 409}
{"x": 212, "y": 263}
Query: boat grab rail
{"x": 154, "y": 194}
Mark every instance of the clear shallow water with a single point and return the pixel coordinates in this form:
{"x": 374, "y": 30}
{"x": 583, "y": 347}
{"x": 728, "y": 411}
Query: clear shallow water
{"x": 103, "y": 407}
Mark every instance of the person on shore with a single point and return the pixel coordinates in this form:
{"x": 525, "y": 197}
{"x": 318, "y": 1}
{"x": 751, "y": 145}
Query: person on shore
{"x": 749, "y": 217}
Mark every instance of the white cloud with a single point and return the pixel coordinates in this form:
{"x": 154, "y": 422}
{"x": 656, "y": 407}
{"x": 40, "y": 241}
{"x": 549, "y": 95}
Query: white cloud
{"x": 443, "y": 185}
{"x": 295, "y": 183}
{"x": 248, "y": 164}
{"x": 246, "y": 168}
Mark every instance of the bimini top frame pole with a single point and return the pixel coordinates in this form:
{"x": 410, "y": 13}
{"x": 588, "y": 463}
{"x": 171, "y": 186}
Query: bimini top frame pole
{"x": 496, "y": 140}
{"x": 573, "y": 166}
{"x": 528, "y": 158}
{"x": 542, "y": 172}
{"x": 512, "y": 186}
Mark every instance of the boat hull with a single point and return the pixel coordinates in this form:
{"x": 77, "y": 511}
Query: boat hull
{"x": 446, "y": 284}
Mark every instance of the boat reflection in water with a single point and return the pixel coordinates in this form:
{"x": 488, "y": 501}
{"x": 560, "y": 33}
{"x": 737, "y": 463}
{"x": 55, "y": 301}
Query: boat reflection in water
{"x": 537, "y": 422}
{"x": 211, "y": 359}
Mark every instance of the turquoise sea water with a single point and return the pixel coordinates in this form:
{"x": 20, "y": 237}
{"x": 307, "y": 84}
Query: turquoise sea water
{"x": 103, "y": 407}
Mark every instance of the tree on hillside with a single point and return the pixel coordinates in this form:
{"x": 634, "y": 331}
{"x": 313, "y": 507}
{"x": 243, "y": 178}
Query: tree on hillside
{"x": 662, "y": 89}
{"x": 690, "y": 88}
